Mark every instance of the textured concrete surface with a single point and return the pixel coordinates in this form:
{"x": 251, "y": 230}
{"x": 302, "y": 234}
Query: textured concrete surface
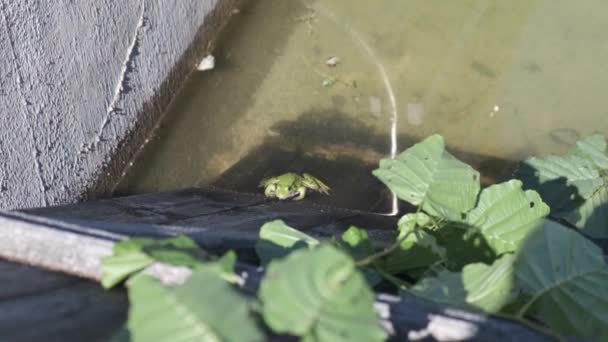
{"x": 83, "y": 83}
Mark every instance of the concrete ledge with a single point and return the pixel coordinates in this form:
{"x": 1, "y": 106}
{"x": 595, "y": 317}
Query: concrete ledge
{"x": 83, "y": 83}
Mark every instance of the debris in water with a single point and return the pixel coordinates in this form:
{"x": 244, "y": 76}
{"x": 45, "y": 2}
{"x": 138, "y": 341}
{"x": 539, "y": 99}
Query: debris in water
{"x": 328, "y": 82}
{"x": 565, "y": 136}
{"x": 272, "y": 133}
{"x": 415, "y": 113}
{"x": 494, "y": 111}
{"x": 208, "y": 63}
{"x": 332, "y": 61}
{"x": 375, "y": 106}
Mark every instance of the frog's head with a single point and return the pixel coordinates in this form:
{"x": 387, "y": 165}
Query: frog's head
{"x": 285, "y": 191}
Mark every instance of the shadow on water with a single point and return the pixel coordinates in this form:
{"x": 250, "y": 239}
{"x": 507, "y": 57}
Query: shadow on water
{"x": 342, "y": 151}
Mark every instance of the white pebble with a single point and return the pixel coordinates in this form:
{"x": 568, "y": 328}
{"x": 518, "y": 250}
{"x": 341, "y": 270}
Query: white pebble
{"x": 208, "y": 63}
{"x": 332, "y": 61}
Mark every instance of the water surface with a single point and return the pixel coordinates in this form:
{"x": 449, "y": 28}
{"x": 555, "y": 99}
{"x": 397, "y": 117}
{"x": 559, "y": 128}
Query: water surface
{"x": 499, "y": 80}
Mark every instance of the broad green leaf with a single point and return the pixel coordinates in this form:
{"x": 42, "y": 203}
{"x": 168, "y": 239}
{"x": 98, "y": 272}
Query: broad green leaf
{"x": 486, "y": 287}
{"x": 561, "y": 181}
{"x": 178, "y": 251}
{"x": 567, "y": 277}
{"x": 575, "y": 185}
{"x": 506, "y": 214}
{"x": 118, "y": 267}
{"x": 591, "y": 215}
{"x": 593, "y": 148}
{"x": 319, "y": 295}
{"x": 418, "y": 248}
{"x": 426, "y": 174}
{"x": 205, "y": 308}
{"x": 133, "y": 255}
{"x": 277, "y": 239}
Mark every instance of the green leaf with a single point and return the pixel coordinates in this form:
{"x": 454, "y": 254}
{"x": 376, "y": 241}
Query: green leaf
{"x": 426, "y": 174}
{"x": 224, "y": 266}
{"x": 506, "y": 214}
{"x": 318, "y": 294}
{"x": 133, "y": 255}
{"x": 122, "y": 264}
{"x": 592, "y": 148}
{"x": 561, "y": 181}
{"x": 482, "y": 286}
{"x": 418, "y": 249}
{"x": 205, "y": 308}
{"x": 575, "y": 185}
{"x": 503, "y": 218}
{"x": 277, "y": 239}
{"x": 591, "y": 215}
{"x": 356, "y": 242}
{"x": 179, "y": 251}
{"x": 567, "y": 277}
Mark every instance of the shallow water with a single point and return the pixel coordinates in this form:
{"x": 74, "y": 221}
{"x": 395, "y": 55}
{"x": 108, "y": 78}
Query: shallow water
{"x": 499, "y": 80}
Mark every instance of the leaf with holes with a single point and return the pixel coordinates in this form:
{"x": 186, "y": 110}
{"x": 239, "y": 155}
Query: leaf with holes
{"x": 506, "y": 214}
{"x": 205, "y": 308}
{"x": 482, "y": 286}
{"x": 277, "y": 240}
{"x": 567, "y": 277}
{"x": 574, "y": 185}
{"x": 503, "y": 218}
{"x": 426, "y": 174}
{"x": 319, "y": 295}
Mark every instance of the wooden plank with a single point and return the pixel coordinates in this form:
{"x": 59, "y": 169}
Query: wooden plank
{"x": 52, "y": 244}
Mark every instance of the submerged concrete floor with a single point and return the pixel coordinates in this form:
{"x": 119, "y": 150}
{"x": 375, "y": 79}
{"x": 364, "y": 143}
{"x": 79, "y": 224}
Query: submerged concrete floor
{"x": 82, "y": 84}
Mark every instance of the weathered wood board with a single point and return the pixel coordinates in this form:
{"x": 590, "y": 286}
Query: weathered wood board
{"x": 217, "y": 220}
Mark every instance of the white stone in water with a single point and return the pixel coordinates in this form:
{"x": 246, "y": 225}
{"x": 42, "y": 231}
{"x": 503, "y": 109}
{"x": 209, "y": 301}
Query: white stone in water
{"x": 375, "y": 106}
{"x": 208, "y": 63}
{"x": 332, "y": 61}
{"x": 415, "y": 113}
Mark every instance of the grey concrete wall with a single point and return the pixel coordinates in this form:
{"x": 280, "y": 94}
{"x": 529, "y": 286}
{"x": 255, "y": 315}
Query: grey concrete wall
{"x": 83, "y": 82}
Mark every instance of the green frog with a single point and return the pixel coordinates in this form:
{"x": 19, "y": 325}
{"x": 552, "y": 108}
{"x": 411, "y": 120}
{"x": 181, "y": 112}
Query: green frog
{"x": 292, "y": 186}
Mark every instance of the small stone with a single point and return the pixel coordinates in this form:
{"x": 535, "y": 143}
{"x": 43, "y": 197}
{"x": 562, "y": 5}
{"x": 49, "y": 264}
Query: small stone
{"x": 208, "y": 63}
{"x": 328, "y": 82}
{"x": 332, "y": 61}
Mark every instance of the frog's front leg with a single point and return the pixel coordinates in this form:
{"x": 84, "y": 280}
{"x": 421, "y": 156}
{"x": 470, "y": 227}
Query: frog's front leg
{"x": 270, "y": 190}
{"x": 301, "y": 193}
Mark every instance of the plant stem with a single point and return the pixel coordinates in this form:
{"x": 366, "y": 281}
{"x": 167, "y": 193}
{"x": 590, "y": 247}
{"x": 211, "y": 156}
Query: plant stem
{"x": 373, "y": 257}
{"x": 522, "y": 311}
{"x": 399, "y": 283}
{"x": 530, "y": 324}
